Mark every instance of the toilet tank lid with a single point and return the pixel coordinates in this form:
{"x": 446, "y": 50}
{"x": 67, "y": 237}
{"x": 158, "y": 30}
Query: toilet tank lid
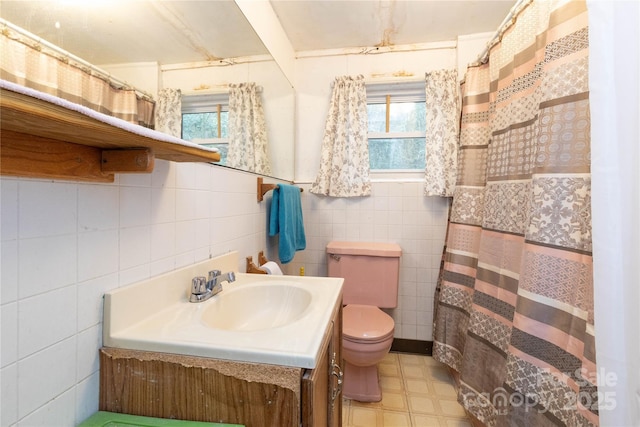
{"x": 364, "y": 248}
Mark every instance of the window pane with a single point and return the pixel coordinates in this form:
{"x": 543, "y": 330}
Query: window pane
{"x": 199, "y": 125}
{"x": 407, "y": 117}
{"x": 377, "y": 116}
{"x": 224, "y": 124}
{"x": 397, "y": 153}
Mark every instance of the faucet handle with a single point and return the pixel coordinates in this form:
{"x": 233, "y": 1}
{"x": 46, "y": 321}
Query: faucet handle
{"x": 199, "y": 285}
{"x": 214, "y": 273}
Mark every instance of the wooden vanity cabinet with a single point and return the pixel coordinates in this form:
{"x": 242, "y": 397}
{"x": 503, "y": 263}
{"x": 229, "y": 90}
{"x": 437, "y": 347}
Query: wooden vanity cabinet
{"x": 322, "y": 386}
{"x": 214, "y": 390}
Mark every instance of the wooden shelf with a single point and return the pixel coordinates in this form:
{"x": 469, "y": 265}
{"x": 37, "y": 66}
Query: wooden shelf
{"x": 39, "y": 139}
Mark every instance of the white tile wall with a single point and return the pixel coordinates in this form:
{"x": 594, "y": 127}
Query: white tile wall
{"x": 64, "y": 244}
{"x": 57, "y": 263}
{"x": 396, "y": 212}
{"x": 69, "y": 243}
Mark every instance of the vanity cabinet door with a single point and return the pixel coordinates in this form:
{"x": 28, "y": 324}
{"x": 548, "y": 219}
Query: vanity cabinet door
{"x": 315, "y": 392}
{"x": 322, "y": 386}
{"x": 336, "y": 372}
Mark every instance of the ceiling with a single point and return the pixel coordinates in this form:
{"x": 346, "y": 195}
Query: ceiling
{"x": 171, "y": 32}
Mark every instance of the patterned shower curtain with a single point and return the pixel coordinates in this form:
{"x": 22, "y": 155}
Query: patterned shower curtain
{"x": 28, "y": 63}
{"x": 514, "y": 313}
{"x": 443, "y": 116}
{"x": 248, "y": 146}
{"x": 344, "y": 162}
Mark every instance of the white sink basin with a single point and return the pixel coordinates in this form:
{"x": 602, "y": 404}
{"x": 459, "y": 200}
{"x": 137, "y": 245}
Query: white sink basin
{"x": 257, "y": 307}
{"x": 258, "y": 318}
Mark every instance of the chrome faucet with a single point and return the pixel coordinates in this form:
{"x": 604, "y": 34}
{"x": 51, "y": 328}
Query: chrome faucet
{"x": 203, "y": 288}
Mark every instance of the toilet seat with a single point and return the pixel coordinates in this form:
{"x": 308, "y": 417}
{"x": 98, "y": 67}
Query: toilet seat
{"x": 366, "y": 324}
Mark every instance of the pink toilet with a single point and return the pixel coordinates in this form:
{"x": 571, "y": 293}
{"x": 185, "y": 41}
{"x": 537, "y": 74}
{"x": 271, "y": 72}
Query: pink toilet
{"x": 370, "y": 272}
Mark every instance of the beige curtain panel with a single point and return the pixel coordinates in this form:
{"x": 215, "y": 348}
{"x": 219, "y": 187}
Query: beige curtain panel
{"x": 26, "y": 63}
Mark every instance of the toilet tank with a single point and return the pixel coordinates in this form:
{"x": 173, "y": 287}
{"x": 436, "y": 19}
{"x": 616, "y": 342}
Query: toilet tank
{"x": 370, "y": 270}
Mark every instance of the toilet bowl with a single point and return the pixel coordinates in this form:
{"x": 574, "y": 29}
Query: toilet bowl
{"x": 366, "y": 339}
{"x": 370, "y": 272}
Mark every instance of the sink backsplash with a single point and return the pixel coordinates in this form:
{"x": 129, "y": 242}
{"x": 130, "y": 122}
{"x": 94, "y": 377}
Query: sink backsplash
{"x": 174, "y": 285}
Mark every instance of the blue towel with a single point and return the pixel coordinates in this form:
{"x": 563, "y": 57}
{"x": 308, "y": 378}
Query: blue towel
{"x": 286, "y": 219}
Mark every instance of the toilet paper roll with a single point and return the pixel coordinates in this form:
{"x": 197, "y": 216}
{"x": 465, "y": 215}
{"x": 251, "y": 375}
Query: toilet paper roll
{"x": 271, "y": 267}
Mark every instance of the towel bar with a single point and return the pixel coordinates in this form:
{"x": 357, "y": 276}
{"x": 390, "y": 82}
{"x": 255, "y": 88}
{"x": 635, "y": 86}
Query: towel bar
{"x": 263, "y": 188}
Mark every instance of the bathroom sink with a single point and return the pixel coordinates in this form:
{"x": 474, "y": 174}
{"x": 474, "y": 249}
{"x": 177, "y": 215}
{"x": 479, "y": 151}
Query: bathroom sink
{"x": 262, "y": 318}
{"x": 257, "y": 307}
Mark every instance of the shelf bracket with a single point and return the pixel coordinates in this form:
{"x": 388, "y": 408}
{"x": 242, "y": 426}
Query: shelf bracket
{"x": 131, "y": 160}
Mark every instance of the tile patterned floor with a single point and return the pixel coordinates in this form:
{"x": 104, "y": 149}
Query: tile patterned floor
{"x": 417, "y": 391}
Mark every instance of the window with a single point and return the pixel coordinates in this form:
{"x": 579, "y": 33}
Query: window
{"x": 397, "y": 125}
{"x": 205, "y": 121}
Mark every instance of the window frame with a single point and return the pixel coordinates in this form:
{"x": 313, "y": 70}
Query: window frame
{"x": 400, "y": 91}
{"x": 206, "y": 103}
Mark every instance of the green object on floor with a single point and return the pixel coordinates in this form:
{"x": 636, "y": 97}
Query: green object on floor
{"x": 113, "y": 419}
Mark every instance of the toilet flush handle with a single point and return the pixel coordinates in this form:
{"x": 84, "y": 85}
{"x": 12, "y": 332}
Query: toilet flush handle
{"x": 336, "y": 257}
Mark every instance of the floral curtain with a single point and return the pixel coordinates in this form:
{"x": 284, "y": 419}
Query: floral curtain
{"x": 26, "y": 62}
{"x": 515, "y": 310}
{"x": 443, "y": 121}
{"x": 248, "y": 146}
{"x": 169, "y": 112}
{"x": 344, "y": 163}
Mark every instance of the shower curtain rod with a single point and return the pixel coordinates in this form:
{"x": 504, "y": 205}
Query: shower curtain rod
{"x": 506, "y": 23}
{"x": 69, "y": 56}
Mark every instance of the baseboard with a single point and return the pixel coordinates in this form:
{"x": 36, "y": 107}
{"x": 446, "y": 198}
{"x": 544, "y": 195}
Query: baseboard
{"x": 402, "y": 345}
